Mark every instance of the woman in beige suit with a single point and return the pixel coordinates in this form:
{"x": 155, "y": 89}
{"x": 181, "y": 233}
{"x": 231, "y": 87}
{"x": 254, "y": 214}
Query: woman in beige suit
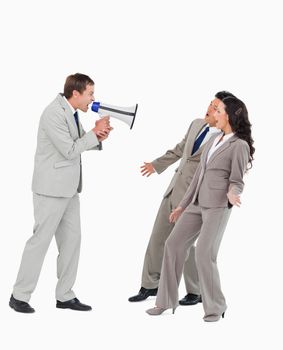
{"x": 205, "y": 208}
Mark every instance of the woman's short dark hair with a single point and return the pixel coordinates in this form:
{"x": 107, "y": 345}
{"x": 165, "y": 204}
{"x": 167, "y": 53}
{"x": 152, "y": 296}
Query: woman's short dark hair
{"x": 77, "y": 82}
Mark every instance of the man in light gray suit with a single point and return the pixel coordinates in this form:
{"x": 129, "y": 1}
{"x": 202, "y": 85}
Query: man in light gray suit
{"x": 57, "y": 180}
{"x": 189, "y": 151}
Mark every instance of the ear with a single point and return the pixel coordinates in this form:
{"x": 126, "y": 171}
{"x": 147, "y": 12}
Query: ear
{"x": 75, "y": 93}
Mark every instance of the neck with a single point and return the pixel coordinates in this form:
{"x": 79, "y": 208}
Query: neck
{"x": 227, "y": 130}
{"x": 72, "y": 103}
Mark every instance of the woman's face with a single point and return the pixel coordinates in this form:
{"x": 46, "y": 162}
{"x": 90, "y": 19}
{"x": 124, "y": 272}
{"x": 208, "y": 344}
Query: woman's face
{"x": 221, "y": 117}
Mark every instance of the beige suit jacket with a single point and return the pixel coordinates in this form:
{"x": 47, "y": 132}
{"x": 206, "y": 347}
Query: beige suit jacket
{"x": 224, "y": 170}
{"x": 57, "y": 158}
{"x": 188, "y": 165}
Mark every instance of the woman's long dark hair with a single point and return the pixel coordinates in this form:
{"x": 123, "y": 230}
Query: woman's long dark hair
{"x": 239, "y": 121}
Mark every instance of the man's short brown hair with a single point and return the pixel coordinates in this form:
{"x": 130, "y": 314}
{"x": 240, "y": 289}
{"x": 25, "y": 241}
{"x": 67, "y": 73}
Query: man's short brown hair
{"x": 77, "y": 82}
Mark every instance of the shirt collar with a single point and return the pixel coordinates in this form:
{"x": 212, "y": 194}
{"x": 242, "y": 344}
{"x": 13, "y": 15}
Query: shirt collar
{"x": 213, "y": 129}
{"x": 72, "y": 108}
{"x": 228, "y": 136}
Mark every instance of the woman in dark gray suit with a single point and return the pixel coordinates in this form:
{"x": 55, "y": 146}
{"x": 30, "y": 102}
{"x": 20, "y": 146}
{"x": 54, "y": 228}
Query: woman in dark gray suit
{"x": 205, "y": 208}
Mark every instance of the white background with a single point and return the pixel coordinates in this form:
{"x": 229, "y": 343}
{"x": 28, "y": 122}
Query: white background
{"x": 170, "y": 57}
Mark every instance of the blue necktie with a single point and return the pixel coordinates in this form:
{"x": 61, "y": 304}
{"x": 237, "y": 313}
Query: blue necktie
{"x": 199, "y": 140}
{"x": 77, "y": 121}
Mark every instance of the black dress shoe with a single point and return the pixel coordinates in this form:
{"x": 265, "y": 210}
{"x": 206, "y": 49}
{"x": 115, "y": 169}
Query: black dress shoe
{"x": 143, "y": 294}
{"x": 20, "y": 306}
{"x": 190, "y": 299}
{"x": 73, "y": 304}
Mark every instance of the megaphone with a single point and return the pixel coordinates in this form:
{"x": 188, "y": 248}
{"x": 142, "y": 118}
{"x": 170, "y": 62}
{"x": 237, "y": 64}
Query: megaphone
{"x": 126, "y": 114}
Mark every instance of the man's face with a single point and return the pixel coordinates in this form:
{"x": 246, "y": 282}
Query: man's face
{"x": 209, "y": 117}
{"x": 85, "y": 98}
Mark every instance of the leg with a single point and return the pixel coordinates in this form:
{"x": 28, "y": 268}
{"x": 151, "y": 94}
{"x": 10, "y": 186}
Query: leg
{"x": 181, "y": 239}
{"x": 48, "y": 212}
{"x": 214, "y": 224}
{"x": 190, "y": 273}
{"x": 68, "y": 239}
{"x": 155, "y": 249}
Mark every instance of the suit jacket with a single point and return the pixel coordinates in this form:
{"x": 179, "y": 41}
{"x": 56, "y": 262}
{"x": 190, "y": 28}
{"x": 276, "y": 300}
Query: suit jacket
{"x": 57, "y": 167}
{"x": 188, "y": 165}
{"x": 224, "y": 170}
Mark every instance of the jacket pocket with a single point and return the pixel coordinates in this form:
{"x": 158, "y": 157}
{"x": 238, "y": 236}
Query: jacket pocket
{"x": 63, "y": 163}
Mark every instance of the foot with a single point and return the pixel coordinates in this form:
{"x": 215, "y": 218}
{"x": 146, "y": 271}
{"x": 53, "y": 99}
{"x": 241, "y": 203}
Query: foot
{"x": 20, "y": 306}
{"x": 190, "y": 299}
{"x": 213, "y": 318}
{"x": 155, "y": 311}
{"x": 73, "y": 304}
{"x": 143, "y": 294}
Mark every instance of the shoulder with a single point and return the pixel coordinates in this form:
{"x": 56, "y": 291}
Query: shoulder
{"x": 56, "y": 108}
{"x": 241, "y": 148}
{"x": 198, "y": 122}
{"x": 58, "y": 103}
{"x": 240, "y": 143}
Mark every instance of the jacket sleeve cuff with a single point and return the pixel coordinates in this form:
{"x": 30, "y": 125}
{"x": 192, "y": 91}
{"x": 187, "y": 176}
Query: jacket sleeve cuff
{"x": 91, "y": 139}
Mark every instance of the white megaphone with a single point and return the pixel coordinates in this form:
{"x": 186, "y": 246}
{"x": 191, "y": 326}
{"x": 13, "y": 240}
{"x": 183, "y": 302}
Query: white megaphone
{"x": 126, "y": 114}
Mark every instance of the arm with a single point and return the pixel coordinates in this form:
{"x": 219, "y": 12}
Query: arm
{"x": 238, "y": 167}
{"x": 171, "y": 156}
{"x": 160, "y": 164}
{"x": 58, "y": 132}
{"x": 188, "y": 197}
{"x": 95, "y": 148}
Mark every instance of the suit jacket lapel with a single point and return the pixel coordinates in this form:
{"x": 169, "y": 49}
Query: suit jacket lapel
{"x": 223, "y": 147}
{"x": 206, "y": 150}
{"x": 69, "y": 113}
{"x": 195, "y": 133}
